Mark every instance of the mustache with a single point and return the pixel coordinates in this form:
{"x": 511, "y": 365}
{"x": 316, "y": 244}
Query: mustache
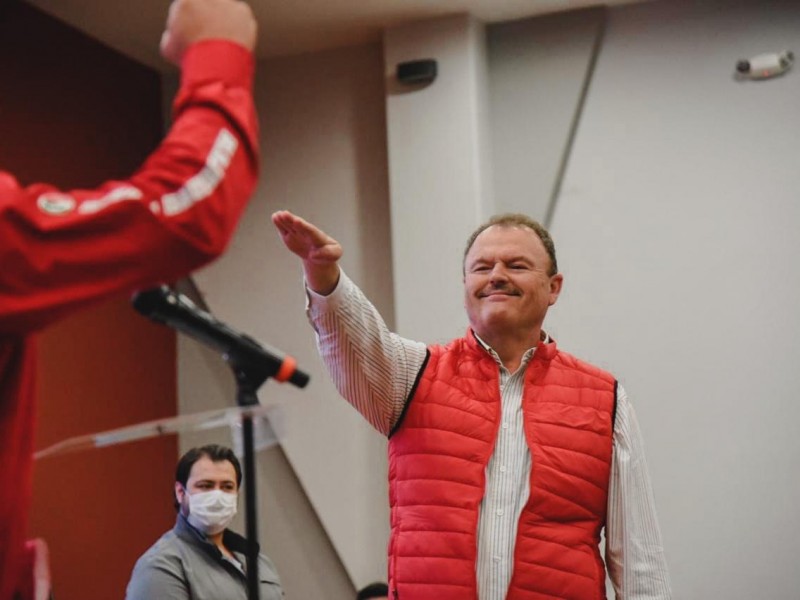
{"x": 499, "y": 288}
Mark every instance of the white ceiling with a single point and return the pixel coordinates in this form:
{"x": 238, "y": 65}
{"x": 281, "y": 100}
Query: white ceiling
{"x": 289, "y": 26}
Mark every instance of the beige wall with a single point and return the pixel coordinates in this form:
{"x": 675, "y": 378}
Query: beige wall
{"x": 678, "y": 234}
{"x": 537, "y": 70}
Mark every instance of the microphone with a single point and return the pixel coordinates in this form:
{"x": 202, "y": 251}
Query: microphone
{"x": 175, "y": 310}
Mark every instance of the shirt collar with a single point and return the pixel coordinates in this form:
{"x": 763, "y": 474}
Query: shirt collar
{"x": 232, "y": 540}
{"x": 545, "y": 337}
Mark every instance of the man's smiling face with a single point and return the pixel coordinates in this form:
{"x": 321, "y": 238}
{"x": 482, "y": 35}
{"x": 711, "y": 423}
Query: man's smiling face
{"x": 507, "y": 285}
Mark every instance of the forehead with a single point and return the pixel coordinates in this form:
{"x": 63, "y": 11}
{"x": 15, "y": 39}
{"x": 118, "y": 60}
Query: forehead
{"x": 206, "y": 469}
{"x": 507, "y": 240}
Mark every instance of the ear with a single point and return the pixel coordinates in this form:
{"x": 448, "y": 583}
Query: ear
{"x": 179, "y": 492}
{"x": 556, "y": 281}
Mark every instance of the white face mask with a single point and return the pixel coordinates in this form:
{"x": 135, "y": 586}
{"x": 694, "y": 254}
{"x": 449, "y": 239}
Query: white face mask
{"x": 211, "y": 512}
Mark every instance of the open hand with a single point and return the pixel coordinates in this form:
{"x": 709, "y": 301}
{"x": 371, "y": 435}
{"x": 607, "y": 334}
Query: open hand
{"x": 319, "y": 252}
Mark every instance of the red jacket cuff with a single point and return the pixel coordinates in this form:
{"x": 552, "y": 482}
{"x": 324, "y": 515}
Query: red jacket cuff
{"x": 218, "y": 61}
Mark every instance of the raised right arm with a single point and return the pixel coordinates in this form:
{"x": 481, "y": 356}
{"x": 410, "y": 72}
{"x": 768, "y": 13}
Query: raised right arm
{"x": 373, "y": 368}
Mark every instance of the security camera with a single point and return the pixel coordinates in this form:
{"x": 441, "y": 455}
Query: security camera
{"x": 765, "y": 66}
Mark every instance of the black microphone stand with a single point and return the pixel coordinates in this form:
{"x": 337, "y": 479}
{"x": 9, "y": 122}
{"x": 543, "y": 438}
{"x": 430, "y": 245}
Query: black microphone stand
{"x": 249, "y": 377}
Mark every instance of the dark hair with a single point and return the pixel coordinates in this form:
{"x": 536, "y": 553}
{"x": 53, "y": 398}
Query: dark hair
{"x": 373, "y": 590}
{"x": 518, "y": 220}
{"x": 214, "y": 452}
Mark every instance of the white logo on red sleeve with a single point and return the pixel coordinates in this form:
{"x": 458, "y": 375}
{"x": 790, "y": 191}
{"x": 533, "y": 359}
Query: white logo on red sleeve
{"x": 56, "y": 203}
{"x": 202, "y": 185}
{"x": 120, "y": 194}
{"x": 194, "y": 190}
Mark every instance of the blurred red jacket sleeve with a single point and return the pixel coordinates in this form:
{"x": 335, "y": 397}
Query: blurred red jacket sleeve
{"x": 60, "y": 250}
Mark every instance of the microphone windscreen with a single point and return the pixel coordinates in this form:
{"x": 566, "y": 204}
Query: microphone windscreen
{"x": 149, "y": 302}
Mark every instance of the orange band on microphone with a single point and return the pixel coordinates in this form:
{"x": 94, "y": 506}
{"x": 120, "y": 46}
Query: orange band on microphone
{"x": 288, "y": 367}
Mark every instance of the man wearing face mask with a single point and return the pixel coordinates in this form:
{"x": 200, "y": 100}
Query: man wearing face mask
{"x": 200, "y": 558}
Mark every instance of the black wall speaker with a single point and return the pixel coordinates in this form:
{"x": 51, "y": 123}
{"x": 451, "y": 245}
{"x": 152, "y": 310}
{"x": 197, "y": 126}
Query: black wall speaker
{"x": 416, "y": 71}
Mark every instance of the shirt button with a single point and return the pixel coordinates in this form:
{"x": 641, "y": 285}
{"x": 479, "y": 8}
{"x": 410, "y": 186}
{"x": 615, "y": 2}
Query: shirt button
{"x": 503, "y": 468}
{"x": 497, "y": 559}
{"x": 499, "y": 512}
{"x": 505, "y": 425}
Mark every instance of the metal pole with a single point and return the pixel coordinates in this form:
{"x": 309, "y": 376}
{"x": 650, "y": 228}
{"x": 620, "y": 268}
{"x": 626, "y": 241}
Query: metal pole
{"x": 248, "y": 398}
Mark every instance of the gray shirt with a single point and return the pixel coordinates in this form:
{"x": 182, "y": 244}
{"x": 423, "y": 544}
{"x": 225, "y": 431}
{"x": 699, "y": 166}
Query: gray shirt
{"x": 184, "y": 565}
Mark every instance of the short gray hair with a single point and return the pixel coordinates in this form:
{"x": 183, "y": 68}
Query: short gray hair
{"x": 518, "y": 220}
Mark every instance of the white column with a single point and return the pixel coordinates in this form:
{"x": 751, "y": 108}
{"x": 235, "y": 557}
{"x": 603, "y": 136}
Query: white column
{"x": 439, "y": 174}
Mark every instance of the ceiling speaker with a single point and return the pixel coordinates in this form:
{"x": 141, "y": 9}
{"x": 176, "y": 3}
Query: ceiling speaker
{"x": 416, "y": 71}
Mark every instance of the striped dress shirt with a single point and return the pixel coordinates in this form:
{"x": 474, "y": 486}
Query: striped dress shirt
{"x": 375, "y": 370}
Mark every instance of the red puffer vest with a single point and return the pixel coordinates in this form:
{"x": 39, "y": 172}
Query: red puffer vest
{"x": 437, "y": 463}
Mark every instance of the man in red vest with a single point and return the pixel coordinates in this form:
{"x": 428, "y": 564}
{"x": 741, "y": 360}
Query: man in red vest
{"x": 62, "y": 250}
{"x": 507, "y": 456}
